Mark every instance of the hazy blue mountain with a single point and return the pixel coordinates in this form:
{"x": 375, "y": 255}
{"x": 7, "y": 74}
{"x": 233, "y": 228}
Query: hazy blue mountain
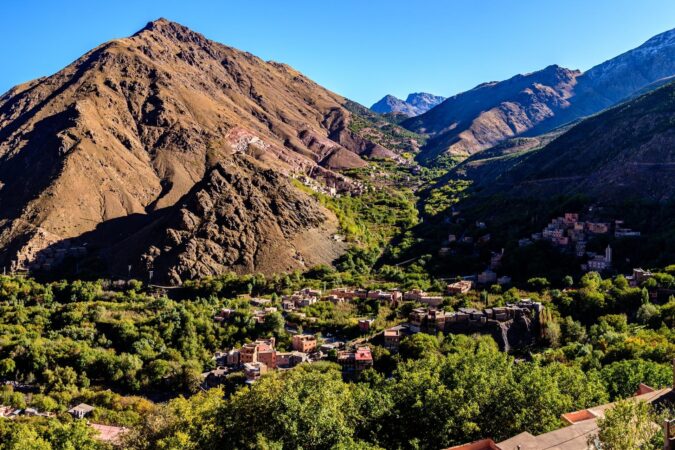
{"x": 415, "y": 104}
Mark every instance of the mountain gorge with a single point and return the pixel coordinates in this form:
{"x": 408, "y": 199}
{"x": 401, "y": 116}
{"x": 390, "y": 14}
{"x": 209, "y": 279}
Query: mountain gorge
{"x": 532, "y": 104}
{"x": 132, "y": 127}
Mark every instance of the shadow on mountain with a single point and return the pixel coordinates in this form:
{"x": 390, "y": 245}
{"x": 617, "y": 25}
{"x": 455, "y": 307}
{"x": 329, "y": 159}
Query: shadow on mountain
{"x": 98, "y": 253}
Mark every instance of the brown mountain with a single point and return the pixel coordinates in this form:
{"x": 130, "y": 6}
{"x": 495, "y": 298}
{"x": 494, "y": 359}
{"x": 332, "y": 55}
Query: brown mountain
{"x": 624, "y": 155}
{"x": 491, "y": 112}
{"x": 125, "y": 135}
{"x": 537, "y": 103}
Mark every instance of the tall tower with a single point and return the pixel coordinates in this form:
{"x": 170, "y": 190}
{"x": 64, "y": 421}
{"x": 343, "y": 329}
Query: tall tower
{"x": 608, "y": 254}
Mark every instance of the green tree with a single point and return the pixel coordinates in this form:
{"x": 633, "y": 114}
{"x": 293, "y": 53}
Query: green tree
{"x": 628, "y": 425}
{"x": 419, "y": 345}
{"x": 622, "y": 378}
{"x": 7, "y": 368}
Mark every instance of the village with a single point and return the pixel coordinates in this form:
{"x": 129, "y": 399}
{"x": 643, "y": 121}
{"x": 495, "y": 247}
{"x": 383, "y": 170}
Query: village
{"x": 513, "y": 326}
{"x": 255, "y": 358}
{"x": 567, "y": 233}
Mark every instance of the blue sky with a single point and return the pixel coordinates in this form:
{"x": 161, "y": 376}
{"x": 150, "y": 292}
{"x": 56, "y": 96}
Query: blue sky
{"x": 360, "y": 49}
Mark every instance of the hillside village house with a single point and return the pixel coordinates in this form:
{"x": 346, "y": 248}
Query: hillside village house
{"x": 390, "y": 296}
{"x": 600, "y": 263}
{"x": 81, "y": 411}
{"x": 638, "y": 277}
{"x": 259, "y": 315}
{"x": 418, "y": 295}
{"x": 288, "y": 305}
{"x": 460, "y": 287}
{"x": 253, "y": 371}
{"x": 214, "y": 378}
{"x": 260, "y": 302}
{"x": 393, "y": 336}
{"x": 365, "y": 325}
{"x": 305, "y": 343}
{"x": 487, "y": 277}
{"x": 355, "y": 362}
{"x": 261, "y": 350}
{"x": 287, "y": 360}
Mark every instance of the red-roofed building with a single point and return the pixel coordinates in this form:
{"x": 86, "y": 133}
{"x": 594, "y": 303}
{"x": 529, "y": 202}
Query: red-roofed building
{"x": 354, "y": 362}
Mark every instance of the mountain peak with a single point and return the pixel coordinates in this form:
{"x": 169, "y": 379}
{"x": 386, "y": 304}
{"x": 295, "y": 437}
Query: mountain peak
{"x": 415, "y": 104}
{"x": 171, "y": 30}
{"x": 147, "y": 118}
{"x": 158, "y": 25}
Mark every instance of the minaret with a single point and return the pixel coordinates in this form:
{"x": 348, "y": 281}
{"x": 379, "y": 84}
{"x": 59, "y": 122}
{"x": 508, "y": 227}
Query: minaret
{"x": 608, "y": 255}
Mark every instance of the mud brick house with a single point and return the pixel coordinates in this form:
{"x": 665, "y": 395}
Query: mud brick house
{"x": 305, "y": 343}
{"x": 460, "y": 287}
{"x": 356, "y": 361}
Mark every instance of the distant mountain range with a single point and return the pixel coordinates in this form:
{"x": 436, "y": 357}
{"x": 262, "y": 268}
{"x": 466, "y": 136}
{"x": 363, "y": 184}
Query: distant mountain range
{"x": 416, "y": 104}
{"x": 624, "y": 155}
{"x": 538, "y": 102}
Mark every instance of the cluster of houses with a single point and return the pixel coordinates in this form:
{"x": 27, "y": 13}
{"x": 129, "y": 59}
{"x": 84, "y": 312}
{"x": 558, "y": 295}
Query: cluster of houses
{"x": 263, "y": 309}
{"x": 571, "y": 234}
{"x": 329, "y": 183}
{"x": 306, "y": 297}
{"x": 300, "y": 299}
{"x": 258, "y": 357}
{"x": 105, "y": 433}
{"x": 79, "y": 411}
{"x": 10, "y": 412}
{"x": 465, "y": 320}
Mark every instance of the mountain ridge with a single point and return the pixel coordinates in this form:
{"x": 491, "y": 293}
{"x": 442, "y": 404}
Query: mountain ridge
{"x": 541, "y": 107}
{"x": 622, "y": 153}
{"x": 479, "y": 118}
{"x": 416, "y": 103}
{"x": 134, "y": 124}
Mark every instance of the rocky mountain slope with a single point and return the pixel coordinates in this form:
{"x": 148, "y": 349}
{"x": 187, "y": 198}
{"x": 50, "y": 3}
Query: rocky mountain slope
{"x": 491, "y": 112}
{"x": 414, "y": 105}
{"x": 239, "y": 217}
{"x": 539, "y": 102}
{"x": 625, "y": 154}
{"x": 129, "y": 129}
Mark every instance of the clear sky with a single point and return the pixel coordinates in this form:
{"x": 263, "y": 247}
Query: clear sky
{"x": 361, "y": 49}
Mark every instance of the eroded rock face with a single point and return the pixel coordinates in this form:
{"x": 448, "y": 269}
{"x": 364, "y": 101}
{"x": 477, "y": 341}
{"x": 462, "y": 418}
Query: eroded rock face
{"x": 132, "y": 126}
{"x": 241, "y": 217}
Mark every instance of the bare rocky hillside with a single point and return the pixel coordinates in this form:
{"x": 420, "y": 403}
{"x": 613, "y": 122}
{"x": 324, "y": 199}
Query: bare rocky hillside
{"x": 134, "y": 125}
